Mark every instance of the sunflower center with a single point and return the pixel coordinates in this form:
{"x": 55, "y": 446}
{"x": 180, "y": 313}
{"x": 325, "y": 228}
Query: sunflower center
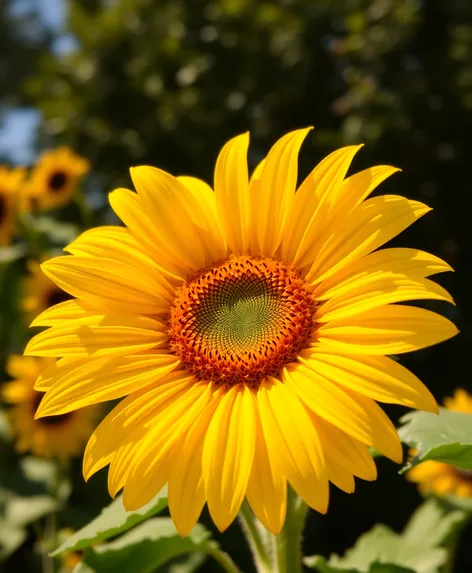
{"x": 57, "y": 181}
{"x": 241, "y": 320}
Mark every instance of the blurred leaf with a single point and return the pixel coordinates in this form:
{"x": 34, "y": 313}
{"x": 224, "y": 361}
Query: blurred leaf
{"x": 56, "y": 231}
{"x": 9, "y": 254}
{"x": 10, "y": 539}
{"x": 433, "y": 523}
{"x": 24, "y": 510}
{"x": 446, "y": 437}
{"x": 381, "y": 550}
{"x": 321, "y": 564}
{"x": 112, "y": 521}
{"x": 146, "y": 547}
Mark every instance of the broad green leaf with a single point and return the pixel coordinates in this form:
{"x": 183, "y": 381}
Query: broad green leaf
{"x": 146, "y": 547}
{"x": 323, "y": 566}
{"x": 112, "y": 521}
{"x": 433, "y": 523}
{"x": 446, "y": 437}
{"x": 383, "y": 547}
{"x": 23, "y": 510}
{"x": 10, "y": 254}
{"x": 11, "y": 538}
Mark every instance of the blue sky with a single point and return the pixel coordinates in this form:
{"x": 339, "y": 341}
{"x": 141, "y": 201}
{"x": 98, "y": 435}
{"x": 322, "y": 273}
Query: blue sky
{"x": 19, "y": 125}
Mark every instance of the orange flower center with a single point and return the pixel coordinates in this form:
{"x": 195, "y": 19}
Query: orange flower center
{"x": 241, "y": 320}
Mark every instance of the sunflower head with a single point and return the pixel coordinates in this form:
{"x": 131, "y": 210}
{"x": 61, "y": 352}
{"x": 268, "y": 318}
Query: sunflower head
{"x": 39, "y": 291}
{"x": 51, "y": 437}
{"x": 437, "y": 477}
{"x": 247, "y": 328}
{"x": 54, "y": 179}
{"x": 11, "y": 181}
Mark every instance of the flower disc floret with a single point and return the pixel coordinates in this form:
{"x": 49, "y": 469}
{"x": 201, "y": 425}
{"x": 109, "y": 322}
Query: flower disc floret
{"x": 241, "y": 320}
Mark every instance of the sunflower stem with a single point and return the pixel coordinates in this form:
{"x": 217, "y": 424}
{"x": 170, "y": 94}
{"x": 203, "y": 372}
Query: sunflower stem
{"x": 222, "y": 558}
{"x": 288, "y": 544}
{"x": 258, "y": 539}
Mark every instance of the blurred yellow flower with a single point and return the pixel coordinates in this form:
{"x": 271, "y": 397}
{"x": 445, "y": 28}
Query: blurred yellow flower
{"x": 39, "y": 291}
{"x": 51, "y": 437}
{"x": 11, "y": 181}
{"x": 249, "y": 328}
{"x": 54, "y": 179}
{"x": 438, "y": 478}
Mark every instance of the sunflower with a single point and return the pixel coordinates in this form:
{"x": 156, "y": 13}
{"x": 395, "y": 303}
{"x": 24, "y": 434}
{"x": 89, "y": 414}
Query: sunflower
{"x": 60, "y": 436}
{"x": 440, "y": 478}
{"x": 54, "y": 179}
{"x": 39, "y": 291}
{"x": 248, "y": 328}
{"x": 10, "y": 184}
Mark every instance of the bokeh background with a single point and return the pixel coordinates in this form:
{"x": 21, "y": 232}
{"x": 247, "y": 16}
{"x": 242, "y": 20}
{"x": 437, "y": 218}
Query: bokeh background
{"x": 167, "y": 82}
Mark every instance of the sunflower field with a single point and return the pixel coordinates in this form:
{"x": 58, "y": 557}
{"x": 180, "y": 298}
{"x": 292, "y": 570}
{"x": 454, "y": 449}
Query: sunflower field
{"x": 235, "y": 302}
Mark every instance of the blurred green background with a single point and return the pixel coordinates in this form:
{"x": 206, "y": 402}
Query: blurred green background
{"x": 167, "y": 82}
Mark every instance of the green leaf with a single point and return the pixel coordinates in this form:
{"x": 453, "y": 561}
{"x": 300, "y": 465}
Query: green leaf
{"x": 10, "y": 254}
{"x": 381, "y": 550}
{"x": 323, "y": 566}
{"x": 146, "y": 547}
{"x": 23, "y": 510}
{"x": 11, "y": 538}
{"x": 433, "y": 523}
{"x": 446, "y": 437}
{"x": 112, "y": 521}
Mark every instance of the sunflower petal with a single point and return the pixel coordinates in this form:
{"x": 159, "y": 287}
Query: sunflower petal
{"x": 88, "y": 382}
{"x": 108, "y": 284}
{"x": 150, "y": 458}
{"x": 375, "y": 291}
{"x": 293, "y": 443}
{"x": 117, "y": 243}
{"x": 163, "y": 197}
{"x": 391, "y": 329}
{"x": 186, "y": 490}
{"x": 128, "y": 207}
{"x": 368, "y": 227}
{"x": 228, "y": 454}
{"x": 267, "y": 487}
{"x": 207, "y": 218}
{"x": 377, "y": 377}
{"x": 352, "y": 454}
{"x": 232, "y": 192}
{"x": 312, "y": 203}
{"x": 277, "y": 188}
{"x": 138, "y": 410}
{"x": 408, "y": 262}
{"x": 65, "y": 311}
{"x": 359, "y": 417}
{"x": 99, "y": 336}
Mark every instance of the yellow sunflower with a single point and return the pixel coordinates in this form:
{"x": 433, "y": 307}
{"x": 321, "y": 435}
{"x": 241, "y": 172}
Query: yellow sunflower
{"x": 39, "y": 291}
{"x": 60, "y": 436}
{"x": 439, "y": 478}
{"x": 54, "y": 179}
{"x": 248, "y": 328}
{"x": 10, "y": 185}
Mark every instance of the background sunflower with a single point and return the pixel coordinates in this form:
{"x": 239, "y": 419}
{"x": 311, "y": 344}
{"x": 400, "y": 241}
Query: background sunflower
{"x": 55, "y": 178}
{"x": 60, "y": 437}
{"x": 11, "y": 181}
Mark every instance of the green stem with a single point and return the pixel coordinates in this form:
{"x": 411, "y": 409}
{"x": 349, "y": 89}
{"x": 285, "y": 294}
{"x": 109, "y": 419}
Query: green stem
{"x": 257, "y": 537}
{"x": 277, "y": 553}
{"x": 289, "y": 543}
{"x": 222, "y": 558}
